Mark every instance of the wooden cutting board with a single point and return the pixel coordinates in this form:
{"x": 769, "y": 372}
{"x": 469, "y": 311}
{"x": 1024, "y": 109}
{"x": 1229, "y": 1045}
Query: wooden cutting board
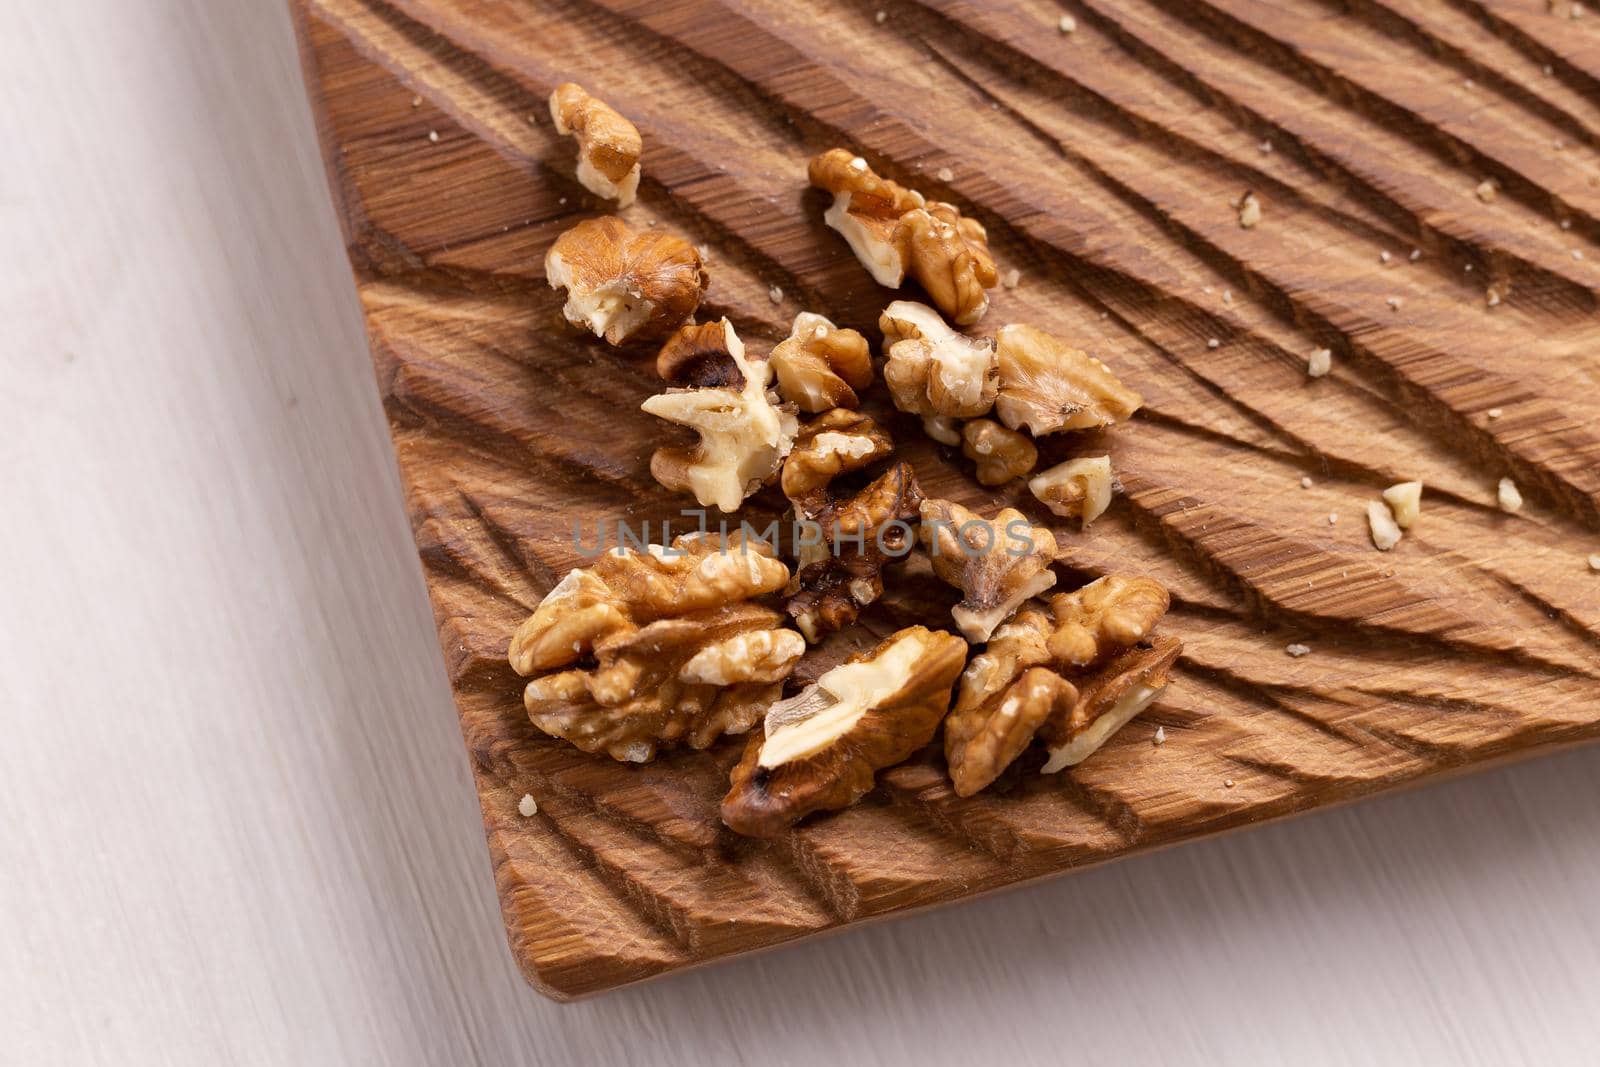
{"x": 1106, "y": 163}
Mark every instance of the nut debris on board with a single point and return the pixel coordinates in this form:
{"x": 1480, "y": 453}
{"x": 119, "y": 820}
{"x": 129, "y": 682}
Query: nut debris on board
{"x": 895, "y": 232}
{"x": 624, "y": 283}
{"x": 744, "y": 433}
{"x": 657, "y": 647}
{"x": 608, "y": 144}
{"x": 996, "y": 563}
{"x": 821, "y": 749}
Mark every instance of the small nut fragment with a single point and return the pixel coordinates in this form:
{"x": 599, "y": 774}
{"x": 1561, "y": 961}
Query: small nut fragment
{"x": 608, "y": 144}
{"x": 678, "y": 650}
{"x": 1405, "y": 500}
{"x": 996, "y": 563}
{"x": 932, "y": 370}
{"x": 1249, "y": 211}
{"x": 820, "y": 365}
{"x": 843, "y": 550}
{"x": 942, "y": 428}
{"x": 834, "y": 443}
{"x": 1320, "y": 362}
{"x": 623, "y": 283}
{"x": 1508, "y": 496}
{"x": 1109, "y": 613}
{"x": 1108, "y": 700}
{"x": 1385, "y": 531}
{"x": 1077, "y": 489}
{"x": 820, "y": 750}
{"x": 895, "y": 231}
{"x": 744, "y": 435}
{"x": 1001, "y": 454}
{"x": 1487, "y": 190}
{"x": 1048, "y": 386}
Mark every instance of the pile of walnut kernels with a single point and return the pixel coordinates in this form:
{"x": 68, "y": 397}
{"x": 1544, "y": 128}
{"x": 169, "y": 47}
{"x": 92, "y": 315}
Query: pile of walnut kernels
{"x": 681, "y": 644}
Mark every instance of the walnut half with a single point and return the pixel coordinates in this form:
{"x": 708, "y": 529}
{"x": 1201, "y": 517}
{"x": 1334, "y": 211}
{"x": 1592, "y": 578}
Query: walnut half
{"x": 649, "y": 648}
{"x": 1048, "y": 386}
{"x": 895, "y": 231}
{"x": 820, "y": 750}
{"x": 996, "y": 563}
{"x": 624, "y": 283}
{"x": 820, "y": 365}
{"x": 932, "y": 370}
{"x": 744, "y": 435}
{"x": 608, "y": 144}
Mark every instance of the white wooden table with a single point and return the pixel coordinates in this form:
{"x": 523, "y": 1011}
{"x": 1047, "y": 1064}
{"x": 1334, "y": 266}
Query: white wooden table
{"x": 238, "y": 826}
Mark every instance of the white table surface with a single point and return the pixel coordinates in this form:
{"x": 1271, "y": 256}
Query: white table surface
{"x": 237, "y": 820}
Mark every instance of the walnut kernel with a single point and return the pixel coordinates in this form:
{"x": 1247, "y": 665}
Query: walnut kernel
{"x": 820, "y": 365}
{"x": 623, "y": 283}
{"x": 996, "y": 563}
{"x": 932, "y": 370}
{"x": 1047, "y": 386}
{"x": 1077, "y": 489}
{"x": 834, "y": 443}
{"x": 608, "y": 144}
{"x": 1001, "y": 454}
{"x": 1109, "y": 613}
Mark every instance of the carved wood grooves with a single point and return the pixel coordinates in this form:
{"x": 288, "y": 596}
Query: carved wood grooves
{"x": 1105, "y": 163}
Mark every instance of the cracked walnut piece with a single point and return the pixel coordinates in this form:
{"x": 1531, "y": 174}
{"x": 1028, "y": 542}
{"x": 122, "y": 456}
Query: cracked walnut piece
{"x": 820, "y": 365}
{"x": 996, "y": 563}
{"x": 1001, "y": 454}
{"x": 744, "y": 435}
{"x": 624, "y": 283}
{"x": 895, "y": 231}
{"x": 839, "y": 571}
{"x": 1072, "y": 677}
{"x": 1048, "y": 386}
{"x": 608, "y": 144}
{"x": 820, "y": 750}
{"x": 700, "y": 356}
{"x": 932, "y": 370}
{"x": 1077, "y": 489}
{"x": 660, "y": 646}
{"x": 834, "y": 443}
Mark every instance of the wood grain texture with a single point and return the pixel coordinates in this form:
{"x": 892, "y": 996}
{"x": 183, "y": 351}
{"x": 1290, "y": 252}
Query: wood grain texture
{"x": 1104, "y": 164}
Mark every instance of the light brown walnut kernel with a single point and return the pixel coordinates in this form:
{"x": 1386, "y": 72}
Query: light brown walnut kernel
{"x": 1001, "y": 454}
{"x": 624, "y": 283}
{"x": 1077, "y": 489}
{"x": 698, "y": 357}
{"x": 1108, "y": 614}
{"x": 996, "y": 563}
{"x": 821, "y": 750}
{"x": 895, "y": 231}
{"x": 1006, "y": 694}
{"x": 932, "y": 370}
{"x": 840, "y": 562}
{"x": 1108, "y": 699}
{"x": 744, "y": 435}
{"x": 834, "y": 443}
{"x": 1047, "y": 386}
{"x": 675, "y": 651}
{"x": 822, "y": 366}
{"x": 608, "y": 144}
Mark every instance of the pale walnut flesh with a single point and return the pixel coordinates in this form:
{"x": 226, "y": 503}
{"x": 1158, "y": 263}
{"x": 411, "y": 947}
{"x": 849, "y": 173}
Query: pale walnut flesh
{"x": 1047, "y": 386}
{"x": 656, "y": 647}
{"x": 1000, "y": 454}
{"x": 623, "y": 283}
{"x": 844, "y": 546}
{"x": 1108, "y": 699}
{"x": 996, "y": 563}
{"x": 821, "y": 366}
{"x": 744, "y": 435}
{"x": 821, "y": 750}
{"x": 834, "y": 443}
{"x": 1077, "y": 489}
{"x": 932, "y": 370}
{"x": 895, "y": 231}
{"x": 608, "y": 144}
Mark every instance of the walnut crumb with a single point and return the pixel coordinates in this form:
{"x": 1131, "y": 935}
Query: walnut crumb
{"x": 1566, "y": 224}
{"x": 1333, "y": 518}
{"x": 1227, "y": 297}
{"x": 1067, "y": 24}
{"x": 1305, "y": 481}
{"x": 1594, "y": 561}
{"x": 1416, "y": 254}
{"x": 1495, "y": 413}
{"x": 1011, "y": 278}
{"x": 528, "y": 806}
{"x": 1509, "y": 496}
{"x": 1491, "y": 297}
{"x": 433, "y": 135}
{"x": 416, "y": 101}
{"x": 1297, "y": 650}
{"x": 1319, "y": 363}
{"x": 1212, "y": 342}
{"x": 1385, "y": 531}
{"x": 1249, "y": 210}
{"x": 1227, "y": 783}
{"x": 775, "y": 294}
{"x": 945, "y": 174}
{"x": 1487, "y": 190}
{"x": 1394, "y": 303}
{"x": 1577, "y": 253}
{"x": 1384, "y": 256}
{"x": 881, "y": 17}
{"x": 1266, "y": 147}
{"x": 1405, "y": 501}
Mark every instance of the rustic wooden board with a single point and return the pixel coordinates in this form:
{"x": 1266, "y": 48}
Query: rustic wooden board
{"x": 1105, "y": 163}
